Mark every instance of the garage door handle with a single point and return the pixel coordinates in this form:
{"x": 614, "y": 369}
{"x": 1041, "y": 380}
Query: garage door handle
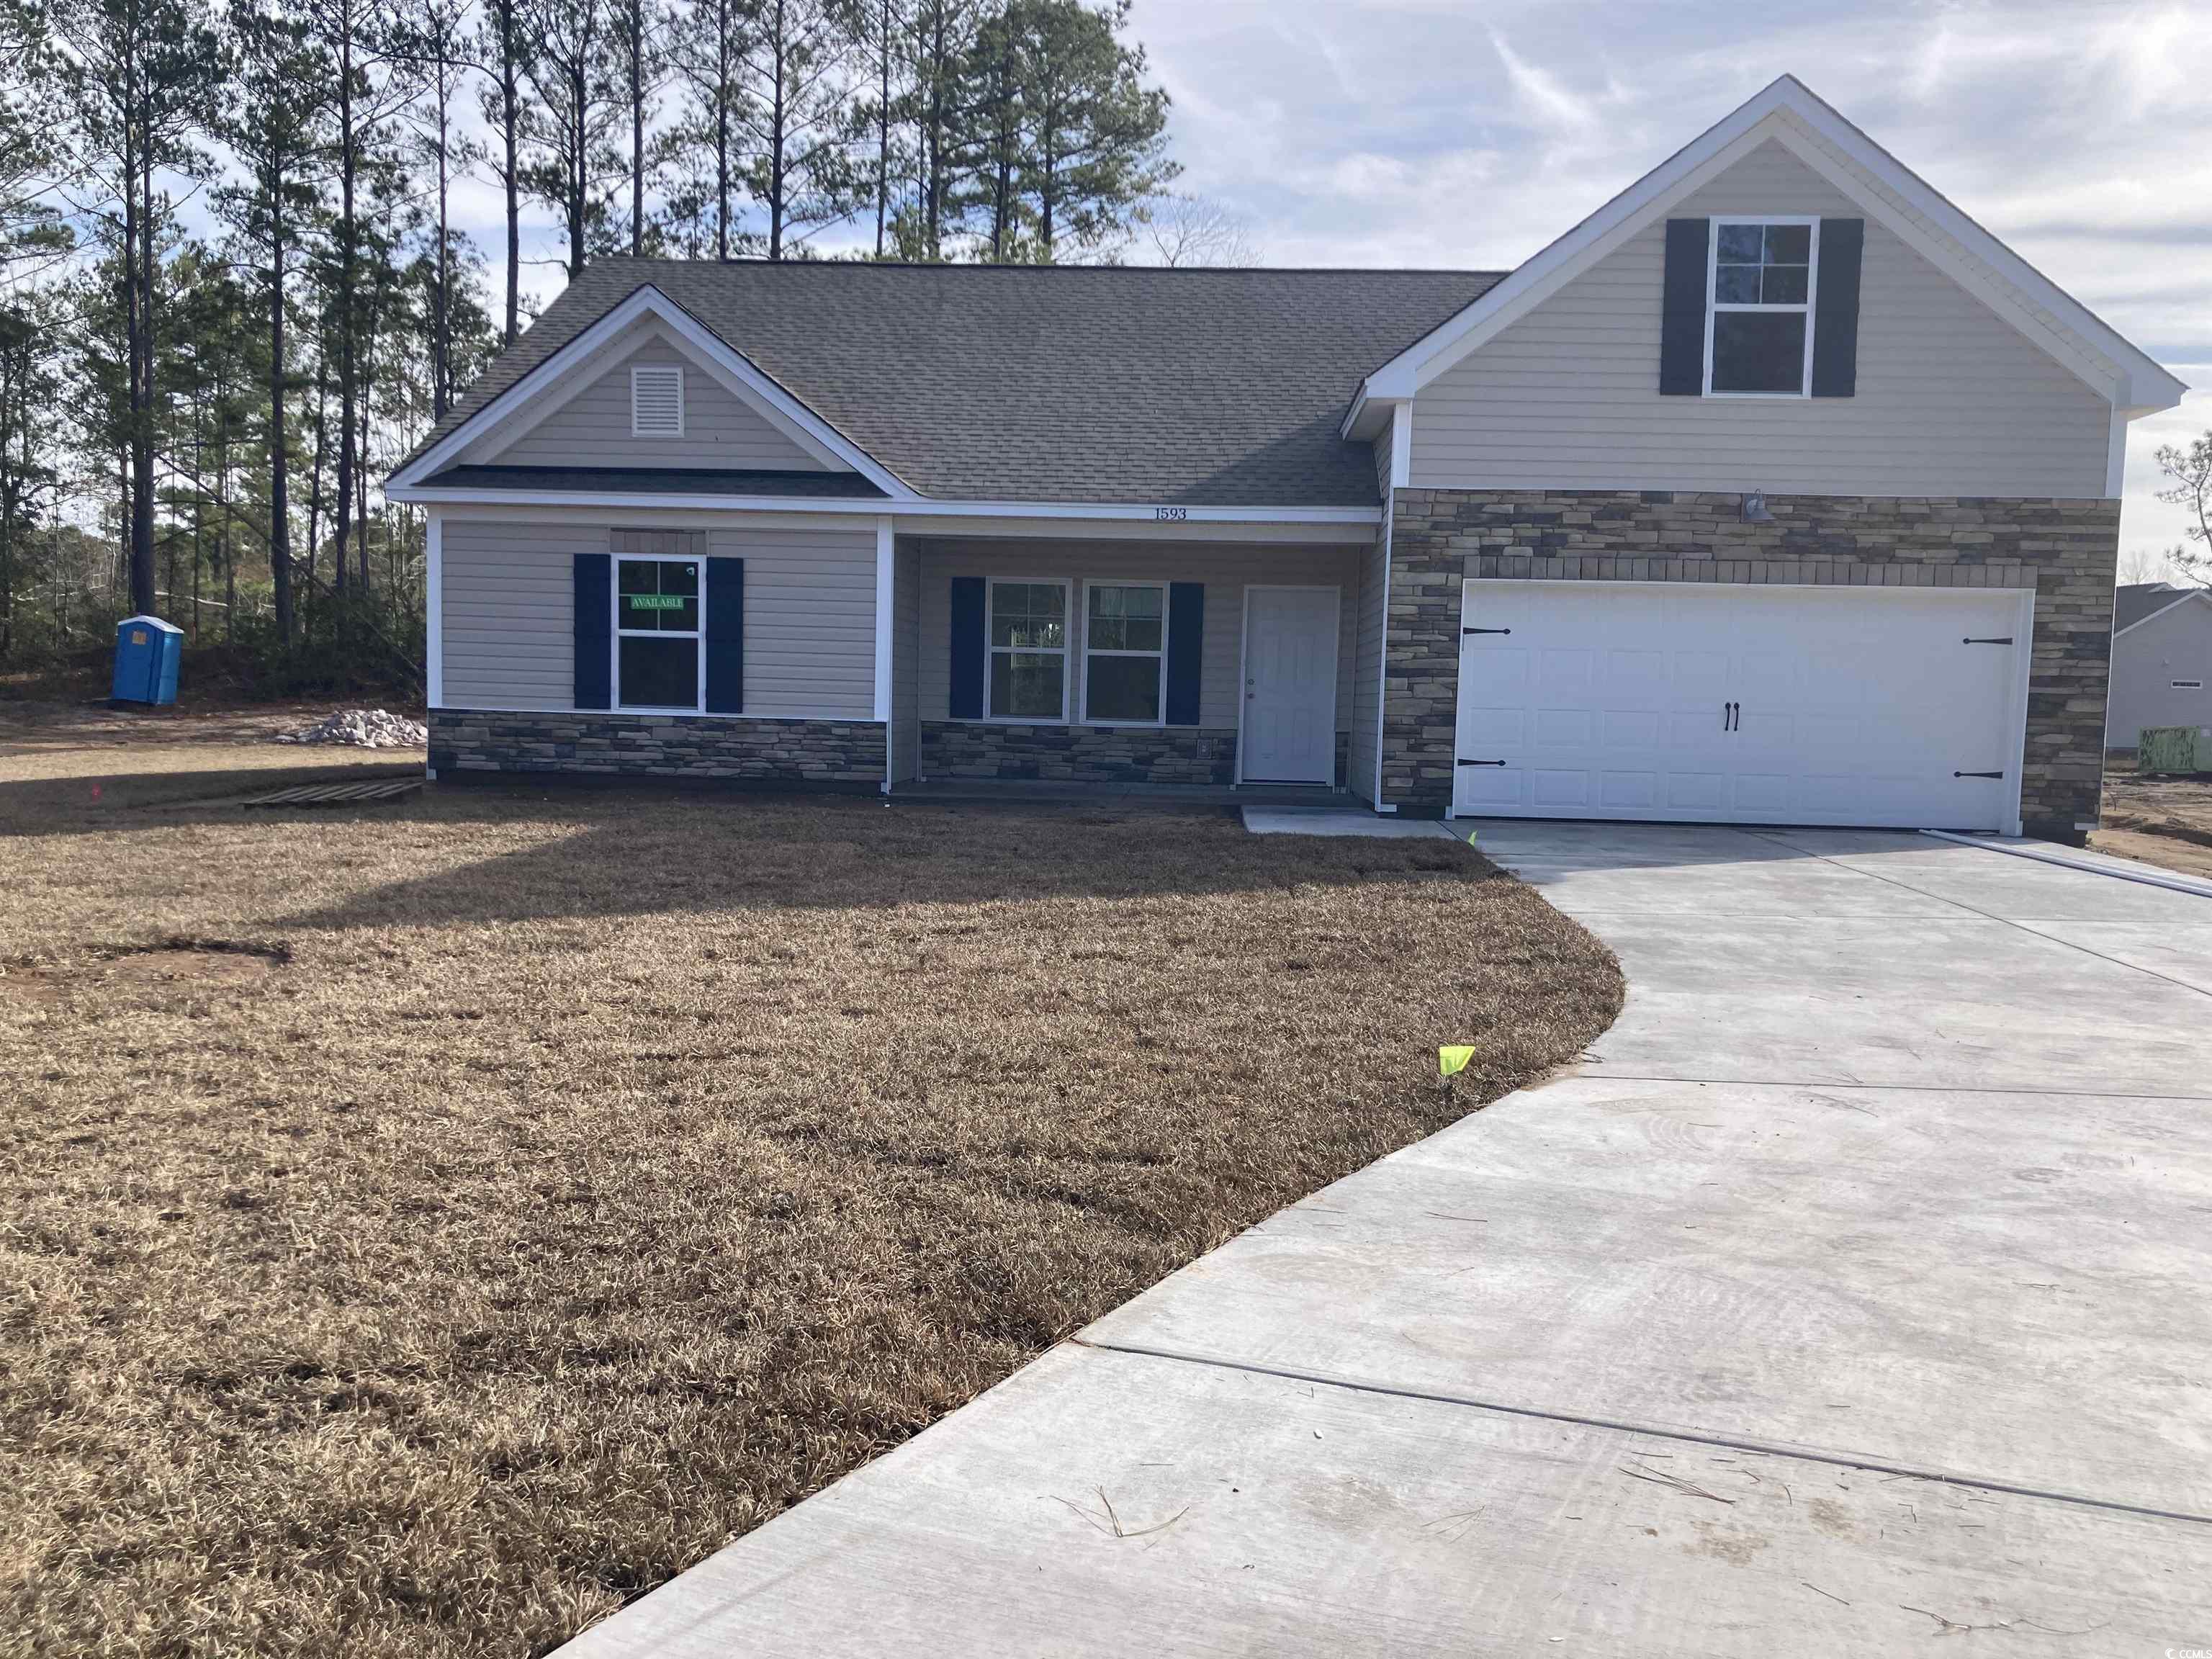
{"x": 1977, "y": 775}
{"x": 1485, "y": 630}
{"x": 1731, "y": 715}
{"x": 1970, "y": 640}
{"x": 1469, "y": 762}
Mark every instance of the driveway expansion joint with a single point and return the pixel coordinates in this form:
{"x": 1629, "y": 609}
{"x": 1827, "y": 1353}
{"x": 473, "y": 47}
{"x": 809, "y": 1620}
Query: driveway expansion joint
{"x": 1687, "y": 1437}
{"x": 2008, "y": 921}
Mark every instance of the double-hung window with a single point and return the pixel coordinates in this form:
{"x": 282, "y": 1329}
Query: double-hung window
{"x": 1124, "y": 652}
{"x": 1759, "y": 335}
{"x": 658, "y": 663}
{"x": 1027, "y": 632}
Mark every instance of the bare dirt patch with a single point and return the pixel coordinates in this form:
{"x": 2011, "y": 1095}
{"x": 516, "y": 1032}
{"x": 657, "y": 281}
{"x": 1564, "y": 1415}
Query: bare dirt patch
{"x": 176, "y": 965}
{"x": 2165, "y": 821}
{"x": 608, "y": 1170}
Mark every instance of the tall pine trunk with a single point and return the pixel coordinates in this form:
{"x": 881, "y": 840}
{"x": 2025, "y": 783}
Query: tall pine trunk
{"x": 280, "y": 525}
{"x": 341, "y": 492}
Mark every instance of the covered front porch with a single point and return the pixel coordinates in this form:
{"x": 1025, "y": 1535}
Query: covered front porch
{"x": 1193, "y": 668}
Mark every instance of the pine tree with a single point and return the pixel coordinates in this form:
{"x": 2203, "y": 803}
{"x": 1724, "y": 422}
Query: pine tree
{"x": 140, "y": 78}
{"x": 570, "y": 125}
{"x": 274, "y": 126}
{"x": 501, "y": 55}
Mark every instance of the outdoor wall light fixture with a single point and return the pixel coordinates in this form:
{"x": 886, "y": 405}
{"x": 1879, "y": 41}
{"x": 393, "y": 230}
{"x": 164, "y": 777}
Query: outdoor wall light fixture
{"x": 1754, "y": 507}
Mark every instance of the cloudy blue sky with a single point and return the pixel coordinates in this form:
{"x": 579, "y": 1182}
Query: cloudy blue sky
{"x": 1470, "y": 132}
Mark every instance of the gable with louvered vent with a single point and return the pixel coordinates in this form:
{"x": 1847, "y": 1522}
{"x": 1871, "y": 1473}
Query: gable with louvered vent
{"x": 656, "y": 400}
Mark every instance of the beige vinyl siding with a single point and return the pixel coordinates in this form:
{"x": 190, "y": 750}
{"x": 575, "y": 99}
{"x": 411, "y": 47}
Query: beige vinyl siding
{"x": 810, "y": 619}
{"x": 507, "y": 596}
{"x": 592, "y": 428}
{"x": 1225, "y": 569}
{"x": 507, "y": 593}
{"x": 1951, "y": 399}
{"x": 906, "y": 668}
{"x": 1367, "y": 667}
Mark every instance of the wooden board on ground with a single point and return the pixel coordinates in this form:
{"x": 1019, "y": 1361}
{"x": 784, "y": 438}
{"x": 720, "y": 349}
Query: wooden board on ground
{"x": 339, "y": 794}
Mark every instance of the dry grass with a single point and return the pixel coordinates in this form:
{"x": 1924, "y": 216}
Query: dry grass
{"x": 581, "y": 1179}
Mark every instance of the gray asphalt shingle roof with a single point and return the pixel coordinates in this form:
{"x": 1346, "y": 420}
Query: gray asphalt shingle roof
{"x": 1067, "y": 384}
{"x": 2133, "y": 601}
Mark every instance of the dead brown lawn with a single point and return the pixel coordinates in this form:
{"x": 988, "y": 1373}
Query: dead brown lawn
{"x": 578, "y": 1179}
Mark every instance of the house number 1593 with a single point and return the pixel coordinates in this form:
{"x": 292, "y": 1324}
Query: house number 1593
{"x": 1172, "y": 514}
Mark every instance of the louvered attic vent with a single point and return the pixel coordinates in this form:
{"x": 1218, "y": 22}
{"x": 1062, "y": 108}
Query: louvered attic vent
{"x": 656, "y": 402}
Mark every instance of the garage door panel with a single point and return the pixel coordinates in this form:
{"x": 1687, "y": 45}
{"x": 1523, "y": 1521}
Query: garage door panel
{"x": 1766, "y": 794}
{"x": 1574, "y": 728}
{"x": 1631, "y": 728}
{"x": 1559, "y": 789}
{"x": 1492, "y": 728}
{"x": 1696, "y": 792}
{"x": 1634, "y": 676}
{"x": 1853, "y": 706}
{"x": 1498, "y": 787}
{"x": 1564, "y": 676}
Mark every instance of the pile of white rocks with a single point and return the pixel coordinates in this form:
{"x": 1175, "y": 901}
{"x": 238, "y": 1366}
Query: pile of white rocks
{"x": 363, "y": 728}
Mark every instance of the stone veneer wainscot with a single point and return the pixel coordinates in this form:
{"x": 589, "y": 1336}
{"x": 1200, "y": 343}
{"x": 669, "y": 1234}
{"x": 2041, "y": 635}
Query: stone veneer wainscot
{"x": 2064, "y": 549}
{"x": 819, "y": 753}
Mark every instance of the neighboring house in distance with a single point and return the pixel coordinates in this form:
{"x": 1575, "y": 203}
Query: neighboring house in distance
{"x": 2161, "y": 661}
{"x": 1777, "y": 490}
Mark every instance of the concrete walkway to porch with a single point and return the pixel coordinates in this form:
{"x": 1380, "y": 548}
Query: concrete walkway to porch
{"x": 1851, "y": 1295}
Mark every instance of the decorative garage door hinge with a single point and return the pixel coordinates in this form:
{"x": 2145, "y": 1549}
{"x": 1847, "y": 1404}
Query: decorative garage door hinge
{"x": 1970, "y": 640}
{"x": 1977, "y": 775}
{"x": 1485, "y": 630}
{"x": 1469, "y": 762}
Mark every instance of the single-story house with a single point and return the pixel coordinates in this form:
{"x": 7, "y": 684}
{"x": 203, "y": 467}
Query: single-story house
{"x": 1777, "y": 490}
{"x": 2161, "y": 661}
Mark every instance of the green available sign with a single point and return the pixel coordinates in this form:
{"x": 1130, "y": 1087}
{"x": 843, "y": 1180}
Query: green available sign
{"x": 658, "y": 601}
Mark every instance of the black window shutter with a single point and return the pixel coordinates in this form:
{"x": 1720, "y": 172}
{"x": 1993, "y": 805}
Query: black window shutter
{"x": 1186, "y": 649}
{"x": 724, "y": 646}
{"x": 595, "y": 625}
{"x": 968, "y": 649}
{"x": 1836, "y": 309}
{"x": 1682, "y": 309}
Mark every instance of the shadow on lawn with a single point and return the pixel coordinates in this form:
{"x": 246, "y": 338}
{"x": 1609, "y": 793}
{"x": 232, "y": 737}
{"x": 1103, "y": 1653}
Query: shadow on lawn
{"x": 92, "y": 803}
{"x": 642, "y": 852}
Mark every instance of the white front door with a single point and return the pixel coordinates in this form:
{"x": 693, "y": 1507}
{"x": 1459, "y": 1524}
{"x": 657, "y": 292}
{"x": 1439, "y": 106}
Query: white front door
{"x": 1290, "y": 685}
{"x": 1741, "y": 704}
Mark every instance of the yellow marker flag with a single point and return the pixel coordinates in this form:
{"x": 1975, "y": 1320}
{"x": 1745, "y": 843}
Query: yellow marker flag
{"x": 1453, "y": 1058}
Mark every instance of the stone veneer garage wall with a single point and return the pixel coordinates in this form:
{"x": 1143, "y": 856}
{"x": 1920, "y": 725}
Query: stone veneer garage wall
{"x": 2064, "y": 549}
{"x": 815, "y": 754}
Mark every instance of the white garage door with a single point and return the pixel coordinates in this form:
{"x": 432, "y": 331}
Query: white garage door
{"x": 1896, "y": 706}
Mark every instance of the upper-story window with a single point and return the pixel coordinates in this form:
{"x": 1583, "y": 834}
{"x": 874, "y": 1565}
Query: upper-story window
{"x": 1759, "y": 336}
{"x": 656, "y": 400}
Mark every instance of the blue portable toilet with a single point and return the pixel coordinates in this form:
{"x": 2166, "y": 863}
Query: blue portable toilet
{"x": 146, "y": 652}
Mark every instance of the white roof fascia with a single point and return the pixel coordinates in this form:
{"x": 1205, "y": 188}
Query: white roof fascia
{"x": 563, "y": 374}
{"x": 908, "y": 507}
{"x": 1787, "y": 113}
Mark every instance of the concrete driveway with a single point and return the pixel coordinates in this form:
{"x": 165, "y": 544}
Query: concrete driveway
{"x": 1856, "y": 1295}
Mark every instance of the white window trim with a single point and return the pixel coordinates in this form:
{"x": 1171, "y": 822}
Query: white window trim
{"x": 1160, "y": 704}
{"x": 618, "y": 634}
{"x": 1066, "y": 587}
{"x": 676, "y": 369}
{"x": 1715, "y": 305}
